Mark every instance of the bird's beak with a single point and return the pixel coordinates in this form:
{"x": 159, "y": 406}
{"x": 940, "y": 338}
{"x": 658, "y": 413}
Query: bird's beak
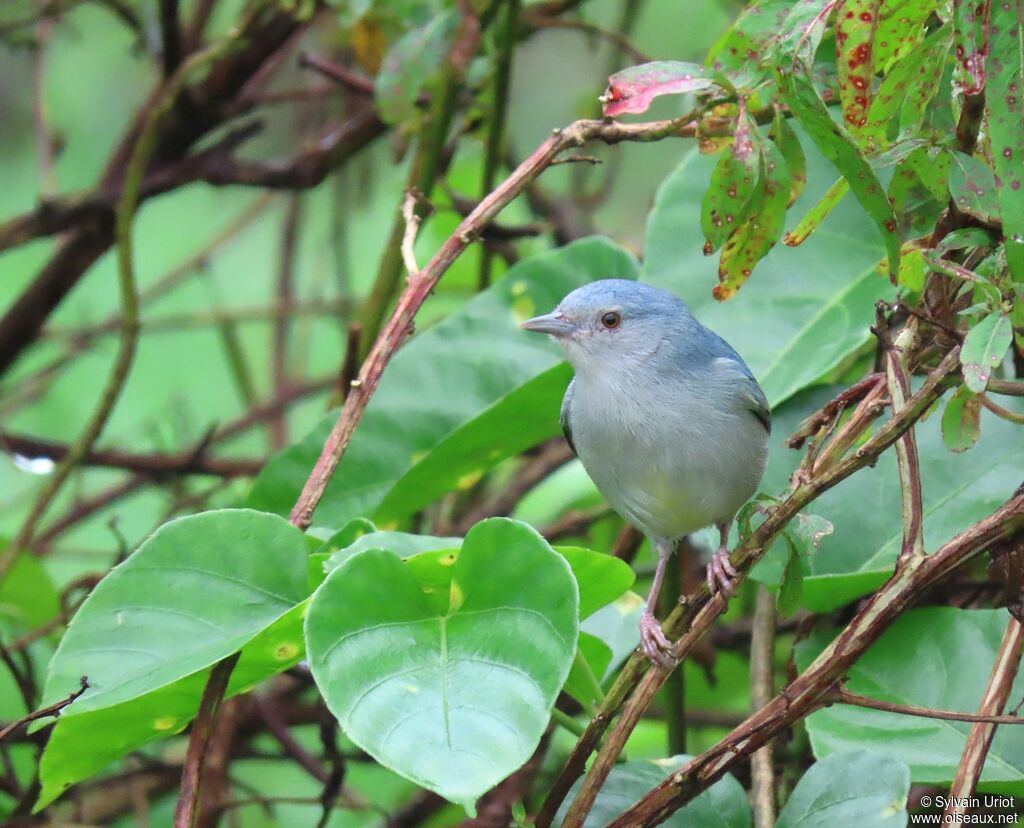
{"x": 550, "y": 323}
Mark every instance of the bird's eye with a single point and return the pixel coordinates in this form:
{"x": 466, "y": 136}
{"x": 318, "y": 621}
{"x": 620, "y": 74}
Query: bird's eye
{"x": 611, "y": 320}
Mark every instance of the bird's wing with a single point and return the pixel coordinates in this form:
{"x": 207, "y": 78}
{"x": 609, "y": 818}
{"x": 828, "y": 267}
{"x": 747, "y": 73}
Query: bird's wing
{"x": 749, "y": 390}
{"x": 563, "y": 416}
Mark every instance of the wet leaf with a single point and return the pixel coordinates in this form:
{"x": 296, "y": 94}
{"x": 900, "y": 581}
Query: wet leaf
{"x": 856, "y": 21}
{"x": 961, "y": 420}
{"x": 730, "y": 194}
{"x": 633, "y": 89}
{"x": 971, "y": 38}
{"x": 973, "y": 187}
{"x": 984, "y": 348}
{"x": 813, "y": 217}
{"x": 762, "y": 227}
{"x": 1004, "y": 106}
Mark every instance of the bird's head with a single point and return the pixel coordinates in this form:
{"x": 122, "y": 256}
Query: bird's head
{"x": 613, "y": 323}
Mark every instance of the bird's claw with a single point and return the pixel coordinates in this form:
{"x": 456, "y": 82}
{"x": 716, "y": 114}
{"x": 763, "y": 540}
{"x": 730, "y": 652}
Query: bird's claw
{"x": 721, "y": 573}
{"x": 654, "y": 643}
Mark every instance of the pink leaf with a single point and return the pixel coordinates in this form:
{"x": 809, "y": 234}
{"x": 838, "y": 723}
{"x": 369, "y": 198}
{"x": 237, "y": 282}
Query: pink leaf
{"x": 633, "y": 89}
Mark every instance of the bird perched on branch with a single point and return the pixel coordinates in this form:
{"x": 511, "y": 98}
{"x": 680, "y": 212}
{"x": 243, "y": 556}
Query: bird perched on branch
{"x": 666, "y": 418}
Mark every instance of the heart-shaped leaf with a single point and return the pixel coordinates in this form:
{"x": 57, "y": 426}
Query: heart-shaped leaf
{"x": 455, "y": 699}
{"x": 193, "y": 593}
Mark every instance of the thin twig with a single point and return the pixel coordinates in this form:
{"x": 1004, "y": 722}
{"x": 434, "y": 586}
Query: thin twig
{"x": 999, "y": 411}
{"x": 412, "y": 225}
{"x": 843, "y": 696}
{"x": 186, "y": 812}
{"x": 45, "y": 712}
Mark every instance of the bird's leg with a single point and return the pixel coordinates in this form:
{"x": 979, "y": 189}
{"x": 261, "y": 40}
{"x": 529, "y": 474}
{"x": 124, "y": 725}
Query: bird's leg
{"x": 655, "y": 644}
{"x": 721, "y": 571}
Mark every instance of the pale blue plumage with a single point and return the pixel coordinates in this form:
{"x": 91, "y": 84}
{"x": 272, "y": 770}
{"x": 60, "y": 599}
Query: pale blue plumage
{"x": 665, "y": 416}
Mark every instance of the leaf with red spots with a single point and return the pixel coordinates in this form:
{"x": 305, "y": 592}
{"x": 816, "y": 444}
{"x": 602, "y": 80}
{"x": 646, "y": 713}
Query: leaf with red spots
{"x": 633, "y": 89}
{"x": 972, "y": 38}
{"x": 901, "y": 27}
{"x": 1004, "y": 107}
{"x": 856, "y": 21}
{"x": 762, "y": 227}
{"x": 816, "y": 215}
{"x": 973, "y": 188}
{"x": 742, "y": 45}
{"x": 796, "y": 162}
{"x": 984, "y": 348}
{"x": 795, "y": 57}
{"x": 729, "y": 196}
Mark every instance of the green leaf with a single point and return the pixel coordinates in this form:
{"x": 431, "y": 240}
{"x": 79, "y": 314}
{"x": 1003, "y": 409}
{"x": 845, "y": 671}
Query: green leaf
{"x": 817, "y": 214}
{"x": 796, "y": 60}
{"x": 196, "y": 591}
{"x": 82, "y": 745}
{"x": 617, "y": 626}
{"x": 938, "y": 657}
{"x": 850, "y": 788}
{"x": 730, "y": 195}
{"x": 410, "y": 64}
{"x": 454, "y": 701}
{"x": 856, "y": 21}
{"x": 827, "y": 286}
{"x": 1004, "y": 111}
{"x": 971, "y": 37}
{"x": 593, "y": 657}
{"x": 792, "y": 585}
{"x": 601, "y": 578}
{"x": 973, "y": 187}
{"x": 403, "y": 544}
{"x": 742, "y": 44}
{"x": 466, "y": 367}
{"x": 961, "y": 420}
{"x": 924, "y": 84}
{"x": 761, "y": 229}
{"x": 796, "y": 162}
{"x": 633, "y": 89}
{"x": 27, "y": 597}
{"x": 984, "y": 348}
{"x": 723, "y": 805}
{"x": 901, "y": 29}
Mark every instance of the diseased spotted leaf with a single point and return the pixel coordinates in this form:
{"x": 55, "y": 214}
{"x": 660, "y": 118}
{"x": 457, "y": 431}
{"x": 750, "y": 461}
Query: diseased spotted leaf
{"x": 816, "y": 215}
{"x": 633, "y": 89}
{"x": 984, "y": 348}
{"x": 961, "y": 420}
{"x": 924, "y": 84}
{"x": 743, "y": 43}
{"x": 730, "y": 193}
{"x": 971, "y": 35}
{"x": 901, "y": 27}
{"x": 856, "y": 21}
{"x": 972, "y": 186}
{"x": 793, "y": 72}
{"x": 913, "y": 269}
{"x": 796, "y": 162}
{"x": 762, "y": 227}
{"x": 1004, "y": 106}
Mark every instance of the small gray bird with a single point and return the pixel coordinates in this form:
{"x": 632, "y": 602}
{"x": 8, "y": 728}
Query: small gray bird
{"x": 666, "y": 418}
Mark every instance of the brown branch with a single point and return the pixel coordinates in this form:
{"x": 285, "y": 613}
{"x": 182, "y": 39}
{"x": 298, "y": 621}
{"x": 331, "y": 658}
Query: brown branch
{"x": 841, "y": 695}
{"x": 979, "y": 740}
{"x": 282, "y": 326}
{"x": 697, "y": 612}
{"x": 412, "y": 225}
{"x": 397, "y": 328}
{"x": 152, "y": 464}
{"x": 827, "y": 413}
{"x": 45, "y": 712}
{"x": 170, "y": 37}
{"x": 762, "y": 688}
{"x": 186, "y": 812}
{"x": 999, "y": 411}
{"x": 1009, "y": 388}
{"x": 810, "y": 690}
{"x": 341, "y": 74}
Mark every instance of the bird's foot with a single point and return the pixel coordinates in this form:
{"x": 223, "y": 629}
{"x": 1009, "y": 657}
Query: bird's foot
{"x": 721, "y": 573}
{"x": 655, "y": 644}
